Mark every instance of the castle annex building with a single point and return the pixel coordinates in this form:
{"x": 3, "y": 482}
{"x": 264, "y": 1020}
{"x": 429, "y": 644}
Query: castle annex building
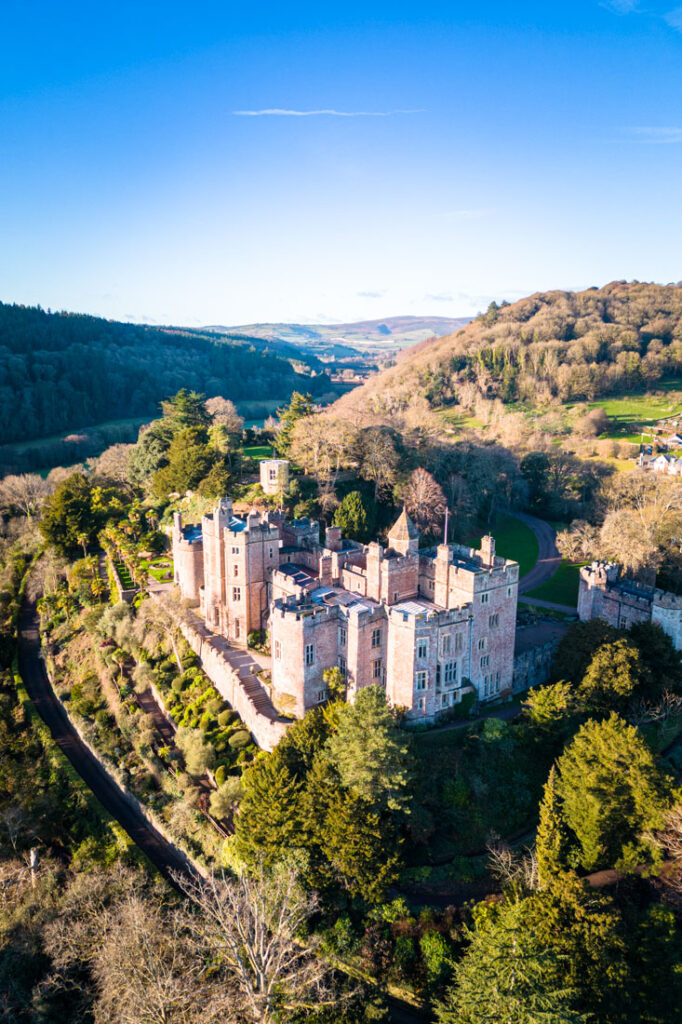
{"x": 428, "y": 625}
{"x": 605, "y": 594}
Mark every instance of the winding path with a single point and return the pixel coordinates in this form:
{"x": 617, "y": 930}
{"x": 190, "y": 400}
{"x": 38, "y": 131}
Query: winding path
{"x": 548, "y": 562}
{"x": 160, "y": 852}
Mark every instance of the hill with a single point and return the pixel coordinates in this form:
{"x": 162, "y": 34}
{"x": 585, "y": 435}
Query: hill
{"x": 550, "y": 347}
{"x": 61, "y": 372}
{"x": 352, "y": 339}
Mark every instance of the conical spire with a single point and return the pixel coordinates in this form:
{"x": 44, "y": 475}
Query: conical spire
{"x": 404, "y": 536}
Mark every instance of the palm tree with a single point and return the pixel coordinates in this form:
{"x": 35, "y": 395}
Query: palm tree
{"x": 82, "y": 539}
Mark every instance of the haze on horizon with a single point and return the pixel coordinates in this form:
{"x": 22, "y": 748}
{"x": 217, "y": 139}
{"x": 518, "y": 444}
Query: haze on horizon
{"x": 203, "y": 164}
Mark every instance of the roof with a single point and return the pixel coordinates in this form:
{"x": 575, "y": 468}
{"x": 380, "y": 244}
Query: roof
{"x": 192, "y": 534}
{"x": 298, "y": 573}
{"x": 403, "y": 528}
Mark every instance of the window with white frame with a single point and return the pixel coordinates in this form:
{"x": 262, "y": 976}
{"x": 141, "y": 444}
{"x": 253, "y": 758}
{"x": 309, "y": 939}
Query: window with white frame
{"x": 321, "y": 696}
{"x": 376, "y": 638}
{"x": 422, "y": 647}
{"x": 446, "y": 643}
{"x": 342, "y": 665}
{"x": 310, "y": 654}
{"x": 445, "y": 700}
{"x": 236, "y": 593}
{"x": 450, "y": 672}
{"x": 485, "y": 661}
{"x": 420, "y": 680}
{"x": 376, "y": 668}
{"x": 278, "y": 650}
{"x": 343, "y": 636}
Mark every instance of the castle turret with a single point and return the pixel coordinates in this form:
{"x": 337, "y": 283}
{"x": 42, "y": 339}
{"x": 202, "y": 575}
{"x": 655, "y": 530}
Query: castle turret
{"x": 404, "y": 536}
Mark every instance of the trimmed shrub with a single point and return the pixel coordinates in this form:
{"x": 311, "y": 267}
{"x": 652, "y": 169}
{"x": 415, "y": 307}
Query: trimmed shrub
{"x": 240, "y": 740}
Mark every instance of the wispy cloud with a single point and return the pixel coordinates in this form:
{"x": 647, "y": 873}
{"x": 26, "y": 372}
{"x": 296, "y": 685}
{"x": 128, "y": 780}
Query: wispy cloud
{"x": 621, "y": 6}
{"x": 655, "y": 134}
{"x": 281, "y": 112}
{"x": 371, "y": 295}
{"x": 442, "y": 297}
{"x": 674, "y": 19}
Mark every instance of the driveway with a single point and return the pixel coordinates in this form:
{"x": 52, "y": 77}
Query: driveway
{"x": 549, "y": 558}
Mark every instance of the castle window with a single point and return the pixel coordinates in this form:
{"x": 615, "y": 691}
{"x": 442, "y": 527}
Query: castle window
{"x": 497, "y": 682}
{"x": 342, "y": 665}
{"x": 420, "y": 680}
{"x": 376, "y": 669}
{"x": 236, "y": 593}
{"x": 237, "y": 628}
{"x": 450, "y": 673}
{"x": 438, "y": 674}
{"x": 485, "y": 686}
{"x": 422, "y": 647}
{"x": 421, "y": 704}
{"x": 310, "y": 654}
{"x": 235, "y": 551}
{"x": 270, "y": 552}
{"x": 343, "y": 636}
{"x": 235, "y": 569}
{"x": 458, "y": 642}
{"x": 278, "y": 650}
{"x": 494, "y": 620}
{"x": 485, "y": 598}
{"x": 376, "y": 638}
{"x": 482, "y": 643}
{"x": 509, "y": 590}
{"x": 485, "y": 661}
{"x": 445, "y": 643}
{"x": 445, "y": 700}
{"x": 430, "y": 584}
{"x": 321, "y": 696}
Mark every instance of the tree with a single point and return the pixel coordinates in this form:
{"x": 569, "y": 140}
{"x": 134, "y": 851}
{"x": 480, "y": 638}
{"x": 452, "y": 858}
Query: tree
{"x": 225, "y": 799}
{"x": 269, "y": 826}
{"x": 551, "y": 841}
{"x": 361, "y": 846}
{"x": 190, "y": 459}
{"x": 68, "y": 515}
{"x": 251, "y": 926}
{"x": 224, "y": 413}
{"x": 186, "y": 409}
{"x": 351, "y": 516}
{"x": 370, "y": 752}
{"x": 113, "y": 465}
{"x": 551, "y": 709}
{"x": 199, "y": 754}
{"x": 24, "y": 493}
{"x": 577, "y": 646}
{"x": 611, "y": 792}
{"x": 612, "y": 676}
{"x": 424, "y": 501}
{"x": 507, "y": 975}
{"x": 379, "y": 459}
{"x": 299, "y": 407}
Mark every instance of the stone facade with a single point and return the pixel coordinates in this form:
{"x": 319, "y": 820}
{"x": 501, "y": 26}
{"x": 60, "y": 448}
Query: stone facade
{"x": 605, "y": 594}
{"x": 427, "y": 625}
{"x": 274, "y": 475}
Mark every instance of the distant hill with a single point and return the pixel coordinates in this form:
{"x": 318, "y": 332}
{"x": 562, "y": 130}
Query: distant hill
{"x": 566, "y": 346}
{"x": 61, "y": 372}
{"x": 353, "y": 339}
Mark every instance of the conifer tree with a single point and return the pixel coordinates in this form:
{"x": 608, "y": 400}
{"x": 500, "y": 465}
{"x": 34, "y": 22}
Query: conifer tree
{"x": 550, "y": 846}
{"x": 269, "y": 824}
{"x": 362, "y": 846}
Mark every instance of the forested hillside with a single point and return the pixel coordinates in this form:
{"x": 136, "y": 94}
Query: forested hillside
{"x": 63, "y": 371}
{"x": 561, "y": 346}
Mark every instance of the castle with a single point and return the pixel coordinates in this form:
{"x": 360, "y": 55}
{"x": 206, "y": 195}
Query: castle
{"x": 428, "y": 625}
{"x": 605, "y": 594}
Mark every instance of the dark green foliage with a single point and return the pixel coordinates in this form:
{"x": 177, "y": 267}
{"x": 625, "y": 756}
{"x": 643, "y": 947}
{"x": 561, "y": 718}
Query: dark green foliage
{"x": 61, "y": 372}
{"x": 612, "y": 677}
{"x": 352, "y": 517}
{"x": 610, "y": 792}
{"x": 299, "y": 407}
{"x": 577, "y": 647}
{"x": 75, "y": 511}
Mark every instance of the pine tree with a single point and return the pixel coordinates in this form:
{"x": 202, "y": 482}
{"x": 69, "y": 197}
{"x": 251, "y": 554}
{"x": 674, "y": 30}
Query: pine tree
{"x": 362, "y": 846}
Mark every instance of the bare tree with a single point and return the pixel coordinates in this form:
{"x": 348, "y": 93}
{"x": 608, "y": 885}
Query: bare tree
{"x": 379, "y": 459}
{"x": 160, "y": 619}
{"x": 424, "y": 500}
{"x": 23, "y": 493}
{"x": 112, "y": 465}
{"x": 251, "y": 925}
{"x": 224, "y": 412}
{"x": 510, "y": 868}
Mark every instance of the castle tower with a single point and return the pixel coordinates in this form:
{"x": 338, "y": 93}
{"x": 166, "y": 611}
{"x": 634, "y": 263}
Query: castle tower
{"x": 404, "y": 536}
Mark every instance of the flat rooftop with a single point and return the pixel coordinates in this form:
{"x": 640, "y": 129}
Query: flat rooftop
{"x": 298, "y": 573}
{"x": 192, "y": 533}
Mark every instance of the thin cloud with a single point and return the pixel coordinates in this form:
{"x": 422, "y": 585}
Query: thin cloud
{"x": 443, "y": 297}
{"x": 371, "y": 295}
{"x": 674, "y": 19}
{"x": 655, "y": 135}
{"x": 281, "y": 112}
{"x": 621, "y": 6}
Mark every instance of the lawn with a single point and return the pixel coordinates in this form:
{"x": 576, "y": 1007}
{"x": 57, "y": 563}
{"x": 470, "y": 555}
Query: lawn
{"x": 124, "y": 576}
{"x": 563, "y": 586}
{"x": 515, "y": 540}
{"x": 259, "y": 451}
{"x": 631, "y": 414}
{"x": 161, "y": 569}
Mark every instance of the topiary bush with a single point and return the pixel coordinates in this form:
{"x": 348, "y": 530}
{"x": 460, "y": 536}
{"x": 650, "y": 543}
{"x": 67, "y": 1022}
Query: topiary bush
{"x": 240, "y": 739}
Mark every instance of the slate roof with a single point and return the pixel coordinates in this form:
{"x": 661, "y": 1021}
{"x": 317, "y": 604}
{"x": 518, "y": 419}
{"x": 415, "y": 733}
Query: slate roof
{"x": 403, "y": 528}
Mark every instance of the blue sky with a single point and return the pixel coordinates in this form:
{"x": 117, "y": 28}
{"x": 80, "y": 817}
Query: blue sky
{"x": 459, "y": 152}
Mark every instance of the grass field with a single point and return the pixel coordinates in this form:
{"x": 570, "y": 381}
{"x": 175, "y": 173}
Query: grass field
{"x": 513, "y": 539}
{"x": 259, "y": 451}
{"x": 632, "y": 414}
{"x": 563, "y": 586}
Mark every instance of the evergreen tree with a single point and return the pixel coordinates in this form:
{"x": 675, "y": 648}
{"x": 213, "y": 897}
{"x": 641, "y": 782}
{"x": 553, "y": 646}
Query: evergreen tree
{"x": 269, "y": 825}
{"x": 612, "y": 676}
{"x": 299, "y": 407}
{"x": 351, "y": 516}
{"x": 611, "y": 792}
{"x": 186, "y": 409}
{"x": 550, "y": 845}
{"x": 190, "y": 459}
{"x": 370, "y": 753}
{"x": 361, "y": 846}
